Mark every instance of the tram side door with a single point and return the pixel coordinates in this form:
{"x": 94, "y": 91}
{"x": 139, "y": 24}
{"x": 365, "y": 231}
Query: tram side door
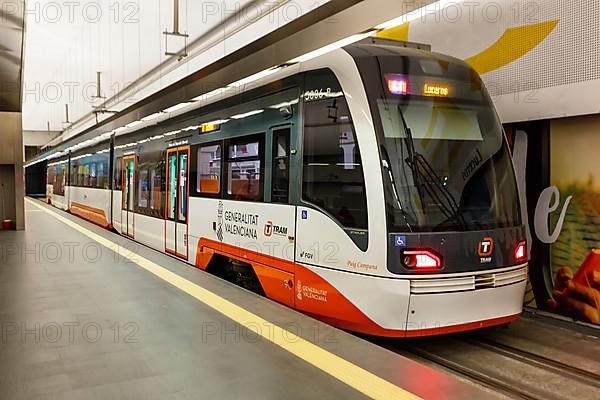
{"x": 176, "y": 221}
{"x": 284, "y": 168}
{"x": 128, "y": 196}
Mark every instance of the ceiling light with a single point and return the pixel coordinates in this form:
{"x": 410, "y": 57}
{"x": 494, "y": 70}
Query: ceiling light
{"x": 133, "y": 124}
{"x": 152, "y": 116}
{"x": 257, "y": 76}
{"x": 210, "y": 94}
{"x": 248, "y": 114}
{"x": 333, "y": 46}
{"x": 177, "y": 107}
{"x": 217, "y": 122}
{"x": 241, "y": 82}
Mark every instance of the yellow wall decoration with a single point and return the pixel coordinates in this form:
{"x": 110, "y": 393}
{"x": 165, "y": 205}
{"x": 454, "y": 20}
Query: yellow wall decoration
{"x": 399, "y": 32}
{"x": 512, "y": 45}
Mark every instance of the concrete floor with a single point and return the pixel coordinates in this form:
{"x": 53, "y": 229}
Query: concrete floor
{"x": 80, "y": 322}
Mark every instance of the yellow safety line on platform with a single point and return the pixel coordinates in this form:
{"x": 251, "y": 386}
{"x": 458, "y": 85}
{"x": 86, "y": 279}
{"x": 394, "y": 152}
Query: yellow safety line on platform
{"x": 352, "y": 375}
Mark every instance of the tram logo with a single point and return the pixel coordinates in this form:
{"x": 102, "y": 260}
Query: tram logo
{"x": 270, "y": 229}
{"x": 486, "y": 247}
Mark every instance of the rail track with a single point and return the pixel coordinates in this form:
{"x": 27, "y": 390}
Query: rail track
{"x": 502, "y": 368}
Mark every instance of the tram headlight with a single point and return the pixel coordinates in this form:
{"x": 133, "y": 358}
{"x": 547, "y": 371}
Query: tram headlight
{"x": 421, "y": 259}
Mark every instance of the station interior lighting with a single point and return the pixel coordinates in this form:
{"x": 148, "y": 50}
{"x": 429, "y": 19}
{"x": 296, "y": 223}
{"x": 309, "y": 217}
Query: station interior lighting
{"x": 177, "y": 107}
{"x": 331, "y": 47}
{"x": 248, "y": 114}
{"x": 152, "y": 116}
{"x": 409, "y": 16}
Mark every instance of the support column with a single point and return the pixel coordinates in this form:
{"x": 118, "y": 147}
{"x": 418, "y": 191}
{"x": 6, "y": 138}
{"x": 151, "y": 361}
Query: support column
{"x": 12, "y": 183}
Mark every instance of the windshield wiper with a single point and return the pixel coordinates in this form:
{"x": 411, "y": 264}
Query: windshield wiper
{"x": 432, "y": 183}
{"x": 410, "y": 145}
{"x": 445, "y": 201}
{"x": 387, "y": 166}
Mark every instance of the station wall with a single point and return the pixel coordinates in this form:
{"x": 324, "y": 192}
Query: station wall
{"x": 539, "y": 60}
{"x": 125, "y": 40}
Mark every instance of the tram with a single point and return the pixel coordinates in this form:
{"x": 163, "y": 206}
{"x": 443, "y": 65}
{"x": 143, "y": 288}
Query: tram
{"x": 370, "y": 187}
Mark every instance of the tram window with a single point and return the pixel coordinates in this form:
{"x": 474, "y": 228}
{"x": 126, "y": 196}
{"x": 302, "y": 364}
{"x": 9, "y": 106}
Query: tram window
{"x": 73, "y": 176}
{"x": 245, "y": 171}
{"x": 59, "y": 183}
{"x": 158, "y": 185}
{"x": 209, "y": 170}
{"x": 172, "y": 185}
{"x": 143, "y": 189}
{"x": 155, "y": 191}
{"x": 56, "y": 178}
{"x": 85, "y": 175}
{"x": 101, "y": 175}
{"x": 183, "y": 186}
{"x": 51, "y": 176}
{"x": 79, "y": 178}
{"x": 118, "y": 174}
{"x": 281, "y": 166}
{"x": 92, "y": 182}
{"x": 333, "y": 176}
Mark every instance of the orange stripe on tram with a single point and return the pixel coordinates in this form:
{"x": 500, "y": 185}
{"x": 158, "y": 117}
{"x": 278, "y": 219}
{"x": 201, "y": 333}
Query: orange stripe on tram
{"x": 92, "y": 214}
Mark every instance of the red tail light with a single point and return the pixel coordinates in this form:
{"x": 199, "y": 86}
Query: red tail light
{"x": 421, "y": 259}
{"x": 521, "y": 252}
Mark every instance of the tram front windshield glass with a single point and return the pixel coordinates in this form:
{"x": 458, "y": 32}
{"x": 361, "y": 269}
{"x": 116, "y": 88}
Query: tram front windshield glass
{"x": 445, "y": 160}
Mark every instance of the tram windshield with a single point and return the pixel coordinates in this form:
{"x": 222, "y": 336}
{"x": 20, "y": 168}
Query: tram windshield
{"x": 446, "y": 164}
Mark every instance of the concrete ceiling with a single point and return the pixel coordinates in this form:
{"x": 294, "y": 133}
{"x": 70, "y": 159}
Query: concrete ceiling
{"x": 11, "y": 54}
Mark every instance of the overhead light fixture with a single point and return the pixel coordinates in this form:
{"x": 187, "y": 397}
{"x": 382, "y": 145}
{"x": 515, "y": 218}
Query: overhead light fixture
{"x": 285, "y": 104}
{"x": 81, "y": 156}
{"x": 152, "y": 116}
{"x": 241, "y": 82}
{"x": 248, "y": 114}
{"x": 133, "y": 124}
{"x": 217, "y": 122}
{"x": 418, "y": 13}
{"x": 257, "y": 76}
{"x": 213, "y": 93}
{"x": 331, "y": 47}
{"x": 57, "y": 163}
{"x": 177, "y": 107}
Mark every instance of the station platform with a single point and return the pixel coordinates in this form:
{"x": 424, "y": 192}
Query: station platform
{"x": 88, "y": 314}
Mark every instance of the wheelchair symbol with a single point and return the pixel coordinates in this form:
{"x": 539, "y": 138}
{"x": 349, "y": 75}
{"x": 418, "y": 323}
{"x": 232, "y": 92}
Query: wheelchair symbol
{"x": 400, "y": 241}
